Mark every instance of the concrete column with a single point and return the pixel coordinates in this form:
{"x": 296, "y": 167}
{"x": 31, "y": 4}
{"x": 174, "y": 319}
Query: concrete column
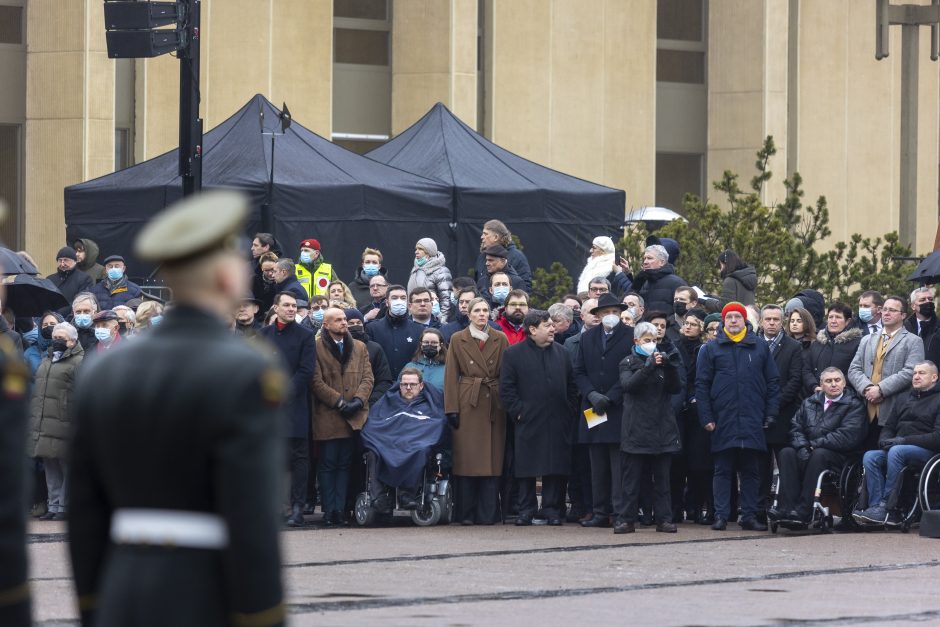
{"x": 571, "y": 84}
{"x": 747, "y": 89}
{"x": 282, "y": 49}
{"x": 434, "y": 59}
{"x": 69, "y": 134}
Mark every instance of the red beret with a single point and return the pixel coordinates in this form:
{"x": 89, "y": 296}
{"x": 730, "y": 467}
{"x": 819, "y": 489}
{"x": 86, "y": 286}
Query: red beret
{"x": 310, "y": 243}
{"x": 734, "y": 306}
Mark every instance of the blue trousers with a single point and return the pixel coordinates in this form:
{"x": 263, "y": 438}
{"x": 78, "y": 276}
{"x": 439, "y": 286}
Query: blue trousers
{"x": 882, "y": 469}
{"x": 335, "y": 459}
{"x": 747, "y": 462}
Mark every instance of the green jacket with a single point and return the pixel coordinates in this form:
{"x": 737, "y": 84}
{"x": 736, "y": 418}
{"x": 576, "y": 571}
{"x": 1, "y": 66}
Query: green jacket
{"x": 50, "y": 422}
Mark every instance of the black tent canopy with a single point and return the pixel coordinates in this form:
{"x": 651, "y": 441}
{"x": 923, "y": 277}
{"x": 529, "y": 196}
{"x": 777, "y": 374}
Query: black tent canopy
{"x": 555, "y": 215}
{"x": 320, "y": 190}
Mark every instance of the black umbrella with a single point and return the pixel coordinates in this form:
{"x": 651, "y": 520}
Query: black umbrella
{"x": 12, "y": 263}
{"x": 29, "y": 295}
{"x": 927, "y": 271}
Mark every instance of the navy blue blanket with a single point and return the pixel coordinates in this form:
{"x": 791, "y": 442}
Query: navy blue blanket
{"x": 402, "y": 434}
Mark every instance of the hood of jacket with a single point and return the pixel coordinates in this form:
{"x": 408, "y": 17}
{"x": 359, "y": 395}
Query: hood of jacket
{"x": 747, "y": 276}
{"x": 655, "y": 274}
{"x": 91, "y": 253}
{"x": 849, "y": 334}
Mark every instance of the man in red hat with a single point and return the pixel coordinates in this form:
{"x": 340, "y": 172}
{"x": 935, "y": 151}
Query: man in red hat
{"x": 738, "y": 394}
{"x": 313, "y": 272}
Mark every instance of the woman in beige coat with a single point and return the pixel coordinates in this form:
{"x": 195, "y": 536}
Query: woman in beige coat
{"x": 474, "y": 409}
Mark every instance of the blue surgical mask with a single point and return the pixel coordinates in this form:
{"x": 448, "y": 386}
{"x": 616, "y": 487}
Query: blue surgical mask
{"x": 370, "y": 269}
{"x": 500, "y": 294}
{"x": 82, "y": 321}
{"x": 156, "y": 320}
{"x": 115, "y": 274}
{"x": 102, "y": 334}
{"x": 397, "y": 308}
{"x": 317, "y": 315}
{"x": 865, "y": 314}
{"x": 305, "y": 257}
{"x": 646, "y": 348}
{"x": 453, "y": 299}
{"x": 436, "y": 309}
{"x": 421, "y": 262}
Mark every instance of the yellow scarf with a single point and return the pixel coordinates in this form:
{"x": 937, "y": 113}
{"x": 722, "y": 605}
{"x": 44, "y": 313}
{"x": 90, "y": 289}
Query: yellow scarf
{"x": 737, "y": 337}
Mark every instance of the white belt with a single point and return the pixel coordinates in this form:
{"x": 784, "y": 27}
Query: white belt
{"x": 167, "y": 527}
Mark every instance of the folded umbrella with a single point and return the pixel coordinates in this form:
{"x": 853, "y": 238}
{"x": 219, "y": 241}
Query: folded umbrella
{"x": 29, "y": 295}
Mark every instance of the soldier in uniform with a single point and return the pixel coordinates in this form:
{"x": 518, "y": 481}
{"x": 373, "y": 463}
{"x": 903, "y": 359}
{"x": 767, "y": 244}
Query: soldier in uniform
{"x": 14, "y": 590}
{"x": 177, "y": 458}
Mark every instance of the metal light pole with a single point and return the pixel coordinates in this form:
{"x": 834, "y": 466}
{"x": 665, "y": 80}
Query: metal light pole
{"x": 911, "y": 17}
{"x": 190, "y": 150}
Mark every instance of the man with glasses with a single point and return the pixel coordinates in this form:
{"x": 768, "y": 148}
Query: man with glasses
{"x": 884, "y": 366}
{"x": 496, "y": 261}
{"x": 598, "y": 287}
{"x": 377, "y": 307}
{"x": 419, "y": 305}
{"x": 396, "y": 333}
{"x": 510, "y": 318}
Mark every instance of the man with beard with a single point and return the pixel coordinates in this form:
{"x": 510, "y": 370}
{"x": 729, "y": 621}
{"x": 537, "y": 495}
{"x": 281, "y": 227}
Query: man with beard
{"x": 246, "y": 323}
{"x": 510, "y": 318}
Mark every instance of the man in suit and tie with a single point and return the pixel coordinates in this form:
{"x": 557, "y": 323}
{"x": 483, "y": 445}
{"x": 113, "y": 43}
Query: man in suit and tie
{"x": 869, "y": 312}
{"x": 597, "y": 374}
{"x": 884, "y": 365}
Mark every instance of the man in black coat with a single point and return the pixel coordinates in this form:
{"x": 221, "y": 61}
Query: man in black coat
{"x": 788, "y": 355}
{"x": 396, "y": 333}
{"x": 657, "y": 281}
{"x": 538, "y": 391}
{"x": 176, "y": 457}
{"x": 296, "y": 346}
{"x": 829, "y": 425}
{"x": 68, "y": 278}
{"x": 286, "y": 281}
{"x": 598, "y": 379}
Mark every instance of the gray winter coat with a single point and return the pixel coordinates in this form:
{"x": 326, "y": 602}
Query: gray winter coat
{"x": 50, "y": 423}
{"x": 435, "y": 276}
{"x": 905, "y": 351}
{"x": 739, "y": 286}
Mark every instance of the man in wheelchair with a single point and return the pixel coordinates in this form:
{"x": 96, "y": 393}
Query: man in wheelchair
{"x": 405, "y": 425}
{"x": 829, "y": 425}
{"x": 910, "y": 437}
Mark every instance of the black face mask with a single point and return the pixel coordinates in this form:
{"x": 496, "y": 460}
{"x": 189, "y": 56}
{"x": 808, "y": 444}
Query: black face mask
{"x": 430, "y": 351}
{"x": 46, "y": 332}
{"x": 59, "y": 346}
{"x": 358, "y": 333}
{"x": 927, "y": 309}
{"x": 122, "y": 328}
{"x": 680, "y": 308}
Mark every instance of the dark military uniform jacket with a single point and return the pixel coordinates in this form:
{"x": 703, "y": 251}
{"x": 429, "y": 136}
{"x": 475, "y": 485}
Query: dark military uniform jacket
{"x": 14, "y": 590}
{"x": 183, "y": 419}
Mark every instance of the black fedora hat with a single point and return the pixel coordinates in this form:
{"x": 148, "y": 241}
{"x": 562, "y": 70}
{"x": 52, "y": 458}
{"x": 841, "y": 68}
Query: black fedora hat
{"x": 608, "y": 300}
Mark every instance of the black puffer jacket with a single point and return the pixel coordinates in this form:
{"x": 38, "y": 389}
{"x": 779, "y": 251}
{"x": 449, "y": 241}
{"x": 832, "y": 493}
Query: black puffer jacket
{"x": 916, "y": 420}
{"x": 826, "y": 352}
{"x": 649, "y": 422}
{"x": 842, "y": 428}
{"x": 658, "y": 287}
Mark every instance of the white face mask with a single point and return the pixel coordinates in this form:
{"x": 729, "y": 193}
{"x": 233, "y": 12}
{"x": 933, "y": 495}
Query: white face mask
{"x": 610, "y": 321}
{"x": 648, "y": 348}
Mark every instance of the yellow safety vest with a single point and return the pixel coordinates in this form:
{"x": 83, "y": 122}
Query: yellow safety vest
{"x": 315, "y": 283}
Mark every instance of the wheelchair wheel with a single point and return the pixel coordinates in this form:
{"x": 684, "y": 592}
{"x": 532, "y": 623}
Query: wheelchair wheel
{"x": 928, "y": 492}
{"x": 427, "y": 516}
{"x": 365, "y": 515}
{"x": 850, "y": 488}
{"x": 825, "y": 524}
{"x": 446, "y": 499}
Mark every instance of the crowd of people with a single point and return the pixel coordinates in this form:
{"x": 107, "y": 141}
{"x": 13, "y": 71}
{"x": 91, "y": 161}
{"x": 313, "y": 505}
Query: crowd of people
{"x": 637, "y": 400}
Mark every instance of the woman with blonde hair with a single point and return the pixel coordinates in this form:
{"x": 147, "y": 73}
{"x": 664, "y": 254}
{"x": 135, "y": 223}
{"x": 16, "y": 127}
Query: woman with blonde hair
{"x": 340, "y": 295}
{"x": 149, "y": 314}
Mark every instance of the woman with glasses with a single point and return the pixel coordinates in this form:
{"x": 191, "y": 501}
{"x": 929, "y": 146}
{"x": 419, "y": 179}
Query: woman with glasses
{"x": 475, "y": 412}
{"x": 430, "y": 357}
{"x": 712, "y": 324}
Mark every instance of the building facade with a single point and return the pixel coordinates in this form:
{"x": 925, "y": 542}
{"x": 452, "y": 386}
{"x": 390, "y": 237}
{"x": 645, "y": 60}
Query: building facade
{"x": 654, "y": 97}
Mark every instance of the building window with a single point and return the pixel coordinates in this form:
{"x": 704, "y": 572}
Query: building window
{"x": 362, "y": 73}
{"x": 681, "y": 20}
{"x": 681, "y": 45}
{"x": 676, "y": 176}
{"x": 11, "y": 25}
{"x": 10, "y": 172}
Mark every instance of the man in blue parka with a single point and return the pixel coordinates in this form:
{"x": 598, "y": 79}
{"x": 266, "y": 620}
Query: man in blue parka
{"x": 738, "y": 396}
